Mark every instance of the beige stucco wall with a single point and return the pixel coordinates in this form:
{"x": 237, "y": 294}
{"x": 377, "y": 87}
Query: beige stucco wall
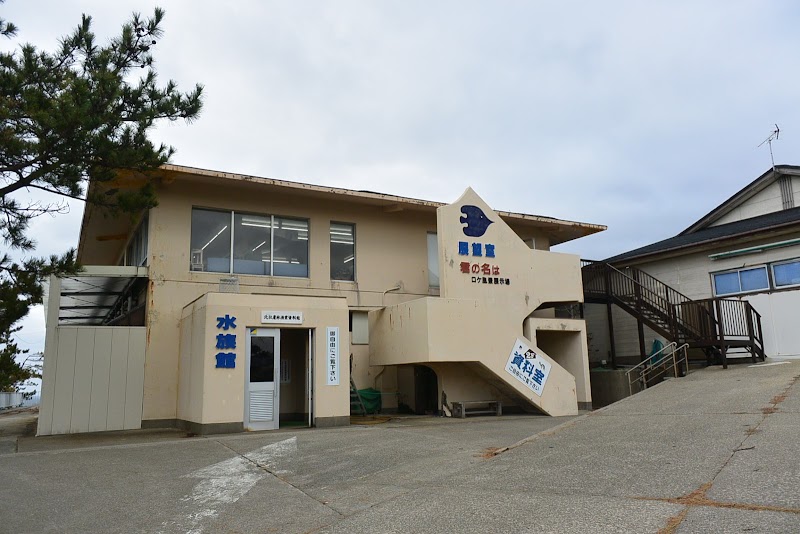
{"x": 391, "y": 251}
{"x": 451, "y": 331}
{"x": 479, "y": 323}
{"x": 564, "y": 340}
{"x": 209, "y": 395}
{"x": 536, "y": 276}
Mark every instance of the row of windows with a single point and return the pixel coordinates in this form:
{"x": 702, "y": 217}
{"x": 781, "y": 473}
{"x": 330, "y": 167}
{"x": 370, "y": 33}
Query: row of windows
{"x": 751, "y": 279}
{"x": 244, "y": 243}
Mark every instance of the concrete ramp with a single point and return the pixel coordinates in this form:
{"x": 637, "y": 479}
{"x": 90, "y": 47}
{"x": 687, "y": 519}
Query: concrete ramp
{"x": 452, "y": 331}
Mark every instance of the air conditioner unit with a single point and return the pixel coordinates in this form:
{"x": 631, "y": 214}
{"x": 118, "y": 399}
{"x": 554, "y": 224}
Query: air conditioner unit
{"x": 197, "y": 260}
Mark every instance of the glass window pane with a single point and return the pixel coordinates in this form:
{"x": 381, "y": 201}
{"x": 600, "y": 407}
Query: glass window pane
{"x": 251, "y": 244}
{"x": 433, "y": 259}
{"x": 211, "y": 241}
{"x": 343, "y": 252}
{"x": 754, "y": 279}
{"x": 787, "y": 274}
{"x": 136, "y": 254}
{"x": 726, "y": 283}
{"x": 143, "y": 229}
{"x": 262, "y": 359}
{"x": 290, "y": 248}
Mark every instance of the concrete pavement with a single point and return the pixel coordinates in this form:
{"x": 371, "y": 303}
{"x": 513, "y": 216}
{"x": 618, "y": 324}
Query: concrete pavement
{"x": 716, "y": 451}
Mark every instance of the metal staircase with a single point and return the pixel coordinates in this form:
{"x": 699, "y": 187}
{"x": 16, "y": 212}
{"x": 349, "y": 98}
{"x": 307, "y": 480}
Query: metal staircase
{"x": 715, "y": 325}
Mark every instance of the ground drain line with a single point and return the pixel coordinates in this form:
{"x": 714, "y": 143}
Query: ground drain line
{"x": 530, "y": 439}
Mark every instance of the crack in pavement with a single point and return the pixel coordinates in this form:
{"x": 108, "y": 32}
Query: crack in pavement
{"x": 225, "y": 482}
{"x": 699, "y": 496}
{"x": 264, "y": 466}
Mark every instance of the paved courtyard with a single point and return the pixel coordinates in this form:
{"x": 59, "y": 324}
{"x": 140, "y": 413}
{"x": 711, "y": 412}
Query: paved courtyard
{"x": 716, "y": 451}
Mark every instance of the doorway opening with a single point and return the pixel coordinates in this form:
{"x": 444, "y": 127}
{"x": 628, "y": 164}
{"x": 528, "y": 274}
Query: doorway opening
{"x": 426, "y": 391}
{"x": 294, "y": 378}
{"x": 278, "y": 378}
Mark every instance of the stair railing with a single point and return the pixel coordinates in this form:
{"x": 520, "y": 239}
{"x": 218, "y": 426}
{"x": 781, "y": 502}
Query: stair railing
{"x": 739, "y": 320}
{"x": 706, "y": 322}
{"x": 653, "y": 368}
{"x": 681, "y": 314}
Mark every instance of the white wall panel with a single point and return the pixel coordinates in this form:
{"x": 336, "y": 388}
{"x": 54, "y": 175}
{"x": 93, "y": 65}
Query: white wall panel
{"x": 117, "y": 379}
{"x": 97, "y": 377}
{"x": 134, "y": 386}
{"x": 82, "y": 382}
{"x": 779, "y": 322}
{"x": 101, "y": 368}
{"x": 62, "y": 401}
{"x": 784, "y": 316}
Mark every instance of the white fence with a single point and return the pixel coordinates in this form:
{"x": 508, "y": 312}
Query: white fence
{"x": 11, "y": 400}
{"x": 93, "y": 379}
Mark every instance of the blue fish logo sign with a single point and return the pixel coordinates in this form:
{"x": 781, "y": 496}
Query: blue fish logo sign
{"x": 476, "y": 221}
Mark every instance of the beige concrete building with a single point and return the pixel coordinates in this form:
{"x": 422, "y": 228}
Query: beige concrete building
{"x": 247, "y": 303}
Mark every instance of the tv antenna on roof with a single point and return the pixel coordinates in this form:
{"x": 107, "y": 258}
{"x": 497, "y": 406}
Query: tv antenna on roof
{"x": 772, "y": 137}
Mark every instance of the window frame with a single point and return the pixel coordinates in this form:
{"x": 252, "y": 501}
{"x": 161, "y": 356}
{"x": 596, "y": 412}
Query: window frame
{"x": 738, "y": 271}
{"x": 138, "y": 244}
{"x": 231, "y": 259}
{"x": 330, "y": 252}
{"x": 272, "y": 245}
{"x": 774, "y": 278}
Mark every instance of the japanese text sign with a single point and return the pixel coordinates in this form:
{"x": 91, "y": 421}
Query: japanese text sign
{"x": 281, "y": 317}
{"x": 528, "y": 367}
{"x": 226, "y": 342}
{"x": 332, "y": 355}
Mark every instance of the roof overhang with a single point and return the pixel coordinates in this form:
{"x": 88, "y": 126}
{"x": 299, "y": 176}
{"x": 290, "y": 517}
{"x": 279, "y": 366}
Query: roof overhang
{"x": 559, "y": 230}
{"x": 88, "y": 297}
{"x": 741, "y": 196}
{"x": 708, "y": 244}
{"x": 102, "y": 232}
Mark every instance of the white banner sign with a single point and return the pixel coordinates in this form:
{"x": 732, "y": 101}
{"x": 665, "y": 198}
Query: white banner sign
{"x": 528, "y": 367}
{"x": 281, "y": 317}
{"x": 332, "y": 359}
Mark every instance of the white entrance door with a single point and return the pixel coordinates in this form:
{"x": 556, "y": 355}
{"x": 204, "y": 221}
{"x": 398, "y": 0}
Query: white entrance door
{"x": 262, "y": 391}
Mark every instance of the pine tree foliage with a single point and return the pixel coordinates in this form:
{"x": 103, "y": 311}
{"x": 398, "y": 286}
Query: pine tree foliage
{"x": 12, "y": 373}
{"x": 76, "y": 115}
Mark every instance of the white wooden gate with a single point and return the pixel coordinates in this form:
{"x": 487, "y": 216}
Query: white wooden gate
{"x": 93, "y": 379}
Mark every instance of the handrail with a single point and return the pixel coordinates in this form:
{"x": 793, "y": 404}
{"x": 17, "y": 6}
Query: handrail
{"x": 669, "y": 289}
{"x": 705, "y": 322}
{"x": 651, "y": 357}
{"x": 659, "y": 365}
{"x": 667, "y": 303}
{"x": 684, "y": 347}
{"x": 655, "y": 296}
{"x": 634, "y": 281}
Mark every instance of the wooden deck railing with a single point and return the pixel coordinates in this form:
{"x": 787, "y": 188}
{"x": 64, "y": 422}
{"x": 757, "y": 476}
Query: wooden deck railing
{"x": 713, "y": 322}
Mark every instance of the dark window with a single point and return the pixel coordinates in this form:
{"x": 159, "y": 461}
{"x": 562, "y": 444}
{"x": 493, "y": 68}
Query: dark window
{"x": 211, "y": 241}
{"x": 262, "y": 244}
{"x": 262, "y": 359}
{"x": 343, "y": 251}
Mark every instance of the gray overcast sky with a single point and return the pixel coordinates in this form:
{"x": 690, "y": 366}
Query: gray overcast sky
{"x": 641, "y": 116}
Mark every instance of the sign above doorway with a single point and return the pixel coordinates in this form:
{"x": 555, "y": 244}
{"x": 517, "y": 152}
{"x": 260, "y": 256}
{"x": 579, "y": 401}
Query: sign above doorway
{"x": 281, "y": 317}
